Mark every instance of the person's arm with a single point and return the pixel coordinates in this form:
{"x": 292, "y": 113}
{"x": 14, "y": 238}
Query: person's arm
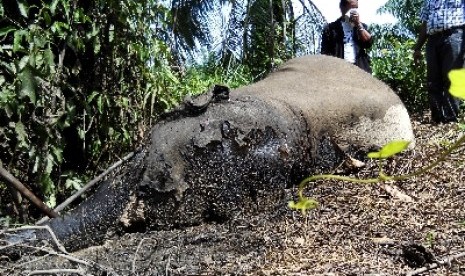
{"x": 363, "y": 33}
{"x": 422, "y": 37}
{"x": 364, "y": 37}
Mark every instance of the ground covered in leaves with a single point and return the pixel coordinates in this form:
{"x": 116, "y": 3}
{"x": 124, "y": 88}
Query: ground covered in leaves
{"x": 376, "y": 229}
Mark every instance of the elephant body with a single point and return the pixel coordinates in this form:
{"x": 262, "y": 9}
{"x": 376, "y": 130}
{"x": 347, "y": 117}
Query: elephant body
{"x": 239, "y": 155}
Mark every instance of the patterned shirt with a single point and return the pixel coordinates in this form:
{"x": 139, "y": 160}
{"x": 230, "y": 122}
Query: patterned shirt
{"x": 442, "y": 15}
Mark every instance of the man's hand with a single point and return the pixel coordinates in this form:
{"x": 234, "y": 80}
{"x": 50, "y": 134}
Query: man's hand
{"x": 354, "y": 17}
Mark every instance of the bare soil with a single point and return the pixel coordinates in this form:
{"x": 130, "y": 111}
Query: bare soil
{"x": 376, "y": 229}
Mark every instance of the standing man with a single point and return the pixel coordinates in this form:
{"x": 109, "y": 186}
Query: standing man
{"x": 443, "y": 28}
{"x": 347, "y": 37}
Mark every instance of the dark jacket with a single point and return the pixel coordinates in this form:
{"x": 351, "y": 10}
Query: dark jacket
{"x": 332, "y": 44}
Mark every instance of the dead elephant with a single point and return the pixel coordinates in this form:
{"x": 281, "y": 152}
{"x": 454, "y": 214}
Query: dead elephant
{"x": 239, "y": 155}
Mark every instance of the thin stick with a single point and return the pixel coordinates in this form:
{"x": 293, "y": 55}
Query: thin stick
{"x": 57, "y": 271}
{"x": 66, "y": 256}
{"x": 87, "y": 186}
{"x": 135, "y": 255}
{"x": 26, "y": 192}
{"x": 437, "y": 264}
{"x": 46, "y": 227}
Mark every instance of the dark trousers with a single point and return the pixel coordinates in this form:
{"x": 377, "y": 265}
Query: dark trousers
{"x": 444, "y": 51}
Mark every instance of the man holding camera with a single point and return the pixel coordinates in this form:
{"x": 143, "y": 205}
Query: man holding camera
{"x": 347, "y": 37}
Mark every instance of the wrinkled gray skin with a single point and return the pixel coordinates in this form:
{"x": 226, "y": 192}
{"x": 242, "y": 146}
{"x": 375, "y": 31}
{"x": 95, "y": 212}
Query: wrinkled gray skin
{"x": 240, "y": 155}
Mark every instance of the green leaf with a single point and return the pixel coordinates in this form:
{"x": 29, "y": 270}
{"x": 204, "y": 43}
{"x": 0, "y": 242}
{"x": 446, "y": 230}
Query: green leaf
{"x": 81, "y": 134}
{"x": 303, "y": 204}
{"x": 23, "y": 8}
{"x": 21, "y": 134}
{"x": 126, "y": 135}
{"x": 6, "y": 30}
{"x": 74, "y": 183}
{"x": 49, "y": 59}
{"x": 60, "y": 28}
{"x": 53, "y": 6}
{"x": 51, "y": 201}
{"x": 18, "y": 38}
{"x": 92, "y": 96}
{"x": 66, "y": 7}
{"x": 35, "y": 168}
{"x": 457, "y": 83}
{"x": 47, "y": 18}
{"x": 28, "y": 84}
{"x": 58, "y": 154}
{"x": 97, "y": 46}
{"x": 390, "y": 149}
{"x": 22, "y": 63}
{"x": 50, "y": 162}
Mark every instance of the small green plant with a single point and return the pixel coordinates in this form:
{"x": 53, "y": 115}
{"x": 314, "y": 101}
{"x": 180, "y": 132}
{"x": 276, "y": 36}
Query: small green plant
{"x": 430, "y": 238}
{"x": 457, "y": 89}
{"x": 390, "y": 149}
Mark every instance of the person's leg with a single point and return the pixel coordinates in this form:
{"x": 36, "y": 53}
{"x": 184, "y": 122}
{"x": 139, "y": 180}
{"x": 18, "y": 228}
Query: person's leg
{"x": 434, "y": 79}
{"x": 452, "y": 56}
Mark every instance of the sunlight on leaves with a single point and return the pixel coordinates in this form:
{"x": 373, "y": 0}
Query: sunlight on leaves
{"x": 457, "y": 83}
{"x": 390, "y": 149}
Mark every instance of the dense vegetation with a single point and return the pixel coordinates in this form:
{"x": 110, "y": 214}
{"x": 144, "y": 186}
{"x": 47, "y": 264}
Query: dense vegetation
{"x": 392, "y": 54}
{"x": 82, "y": 81}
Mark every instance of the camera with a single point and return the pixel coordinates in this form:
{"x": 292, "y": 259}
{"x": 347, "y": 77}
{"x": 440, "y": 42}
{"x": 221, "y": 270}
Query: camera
{"x": 349, "y": 13}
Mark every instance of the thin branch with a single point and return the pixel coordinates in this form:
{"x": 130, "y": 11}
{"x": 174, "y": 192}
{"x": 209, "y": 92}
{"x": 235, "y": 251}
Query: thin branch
{"x": 135, "y": 255}
{"x": 11, "y": 180}
{"x": 68, "y": 257}
{"x": 46, "y": 227}
{"x": 437, "y": 264}
{"x": 57, "y": 271}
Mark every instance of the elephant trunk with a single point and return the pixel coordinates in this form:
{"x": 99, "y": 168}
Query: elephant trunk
{"x": 89, "y": 223}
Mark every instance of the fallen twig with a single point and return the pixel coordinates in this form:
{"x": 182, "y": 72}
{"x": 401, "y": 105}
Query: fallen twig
{"x": 57, "y": 271}
{"x": 395, "y": 192}
{"x": 436, "y": 264}
{"x": 46, "y": 227}
{"x": 68, "y": 257}
{"x": 135, "y": 255}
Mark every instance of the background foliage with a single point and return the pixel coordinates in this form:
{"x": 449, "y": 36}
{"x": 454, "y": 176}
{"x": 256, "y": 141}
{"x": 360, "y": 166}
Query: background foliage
{"x": 392, "y": 59}
{"x": 82, "y": 81}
